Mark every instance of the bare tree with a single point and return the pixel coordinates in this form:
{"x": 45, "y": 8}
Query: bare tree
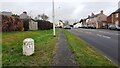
{"x": 44, "y": 17}
{"x": 39, "y": 16}
{"x": 36, "y": 18}
{"x": 66, "y": 23}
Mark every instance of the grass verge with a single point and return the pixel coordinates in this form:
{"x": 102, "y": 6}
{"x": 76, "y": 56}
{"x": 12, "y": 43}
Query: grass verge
{"x": 84, "y": 54}
{"x": 44, "y": 48}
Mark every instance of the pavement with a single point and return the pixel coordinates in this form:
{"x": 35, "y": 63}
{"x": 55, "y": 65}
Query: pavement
{"x": 104, "y": 41}
{"x": 63, "y": 56}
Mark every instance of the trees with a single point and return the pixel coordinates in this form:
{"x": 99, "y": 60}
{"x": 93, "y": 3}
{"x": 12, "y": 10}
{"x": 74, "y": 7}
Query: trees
{"x": 15, "y": 15}
{"x": 42, "y": 17}
{"x": 66, "y": 23}
{"x": 39, "y": 16}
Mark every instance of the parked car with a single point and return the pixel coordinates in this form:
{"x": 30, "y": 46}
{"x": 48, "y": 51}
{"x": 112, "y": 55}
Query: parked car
{"x": 78, "y": 25}
{"x": 85, "y": 26}
{"x": 82, "y": 26}
{"x": 67, "y": 27}
{"x": 114, "y": 27}
{"x": 91, "y": 26}
{"x": 118, "y": 27}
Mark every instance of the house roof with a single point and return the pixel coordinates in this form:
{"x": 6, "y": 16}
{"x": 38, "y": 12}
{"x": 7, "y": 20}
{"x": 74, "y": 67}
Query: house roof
{"x": 117, "y": 11}
{"x": 24, "y": 16}
{"x": 92, "y": 16}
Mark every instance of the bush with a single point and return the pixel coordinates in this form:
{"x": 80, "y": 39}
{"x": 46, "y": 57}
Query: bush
{"x": 44, "y": 25}
{"x": 10, "y": 23}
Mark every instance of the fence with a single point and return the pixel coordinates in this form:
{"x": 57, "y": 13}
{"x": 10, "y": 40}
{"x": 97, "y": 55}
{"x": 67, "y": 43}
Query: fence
{"x": 44, "y": 25}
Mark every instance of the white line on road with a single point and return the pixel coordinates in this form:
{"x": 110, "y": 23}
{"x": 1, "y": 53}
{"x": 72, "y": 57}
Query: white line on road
{"x": 117, "y": 34}
{"x": 89, "y": 32}
{"x": 99, "y": 35}
{"x": 107, "y": 58}
{"x": 104, "y": 36}
{"x": 105, "y": 32}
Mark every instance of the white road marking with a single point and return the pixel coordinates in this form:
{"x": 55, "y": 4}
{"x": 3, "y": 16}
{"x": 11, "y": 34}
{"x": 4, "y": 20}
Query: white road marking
{"x": 99, "y": 35}
{"x": 117, "y": 34}
{"x": 107, "y": 58}
{"x": 106, "y": 36}
{"x": 100, "y": 32}
{"x": 89, "y": 32}
{"x": 106, "y": 32}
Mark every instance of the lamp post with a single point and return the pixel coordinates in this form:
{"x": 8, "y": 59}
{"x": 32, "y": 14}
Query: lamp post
{"x": 53, "y": 18}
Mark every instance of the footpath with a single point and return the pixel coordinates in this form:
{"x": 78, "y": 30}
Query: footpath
{"x": 63, "y": 56}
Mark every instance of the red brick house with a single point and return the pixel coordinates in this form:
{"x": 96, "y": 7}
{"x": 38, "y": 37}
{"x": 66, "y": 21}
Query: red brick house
{"x": 114, "y": 18}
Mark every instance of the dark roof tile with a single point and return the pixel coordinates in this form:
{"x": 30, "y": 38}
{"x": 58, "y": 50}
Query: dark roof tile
{"x": 117, "y": 11}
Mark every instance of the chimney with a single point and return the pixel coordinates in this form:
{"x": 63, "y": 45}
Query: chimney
{"x": 25, "y": 12}
{"x": 88, "y": 16}
{"x": 101, "y": 11}
{"x": 92, "y": 14}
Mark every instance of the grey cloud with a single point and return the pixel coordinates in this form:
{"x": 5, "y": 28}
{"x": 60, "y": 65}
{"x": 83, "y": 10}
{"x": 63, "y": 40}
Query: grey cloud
{"x": 63, "y": 10}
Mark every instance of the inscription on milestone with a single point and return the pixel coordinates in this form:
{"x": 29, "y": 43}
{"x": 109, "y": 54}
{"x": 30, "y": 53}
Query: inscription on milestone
{"x": 28, "y": 46}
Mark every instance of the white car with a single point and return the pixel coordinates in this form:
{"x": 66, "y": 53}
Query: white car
{"x": 67, "y": 27}
{"x": 78, "y": 25}
{"x": 91, "y": 26}
{"x": 114, "y": 27}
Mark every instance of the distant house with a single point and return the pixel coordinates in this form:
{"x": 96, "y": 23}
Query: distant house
{"x": 60, "y": 24}
{"x": 98, "y": 20}
{"x": 25, "y": 19}
{"x": 33, "y": 25}
{"x": 24, "y": 16}
{"x": 6, "y": 13}
{"x": 83, "y": 21}
{"x": 114, "y": 18}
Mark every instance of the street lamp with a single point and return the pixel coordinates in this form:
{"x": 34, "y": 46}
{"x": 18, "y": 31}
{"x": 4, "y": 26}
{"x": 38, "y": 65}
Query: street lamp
{"x": 53, "y": 18}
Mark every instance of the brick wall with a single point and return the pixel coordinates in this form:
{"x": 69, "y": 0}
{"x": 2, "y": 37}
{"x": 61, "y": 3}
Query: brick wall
{"x": 111, "y": 19}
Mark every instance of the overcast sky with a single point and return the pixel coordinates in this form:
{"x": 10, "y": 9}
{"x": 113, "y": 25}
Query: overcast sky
{"x": 71, "y": 10}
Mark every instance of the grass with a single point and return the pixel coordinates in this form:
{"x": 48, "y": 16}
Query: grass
{"x": 45, "y": 45}
{"x": 84, "y": 54}
{"x": 0, "y": 49}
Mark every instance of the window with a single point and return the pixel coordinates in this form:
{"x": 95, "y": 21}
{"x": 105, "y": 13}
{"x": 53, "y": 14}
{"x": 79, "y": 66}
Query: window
{"x": 117, "y": 15}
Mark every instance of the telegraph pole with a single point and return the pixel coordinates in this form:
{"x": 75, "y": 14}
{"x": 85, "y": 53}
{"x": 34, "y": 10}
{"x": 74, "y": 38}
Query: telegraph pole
{"x": 53, "y": 12}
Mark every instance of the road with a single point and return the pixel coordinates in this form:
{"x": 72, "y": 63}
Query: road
{"x": 104, "y": 41}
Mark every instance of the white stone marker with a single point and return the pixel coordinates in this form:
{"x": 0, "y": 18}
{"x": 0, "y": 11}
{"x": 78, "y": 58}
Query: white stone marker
{"x": 28, "y": 46}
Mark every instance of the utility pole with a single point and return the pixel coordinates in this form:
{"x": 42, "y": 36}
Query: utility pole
{"x": 53, "y": 18}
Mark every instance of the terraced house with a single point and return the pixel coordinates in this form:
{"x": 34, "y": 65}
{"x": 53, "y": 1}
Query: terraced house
{"x": 98, "y": 20}
{"x": 114, "y": 18}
